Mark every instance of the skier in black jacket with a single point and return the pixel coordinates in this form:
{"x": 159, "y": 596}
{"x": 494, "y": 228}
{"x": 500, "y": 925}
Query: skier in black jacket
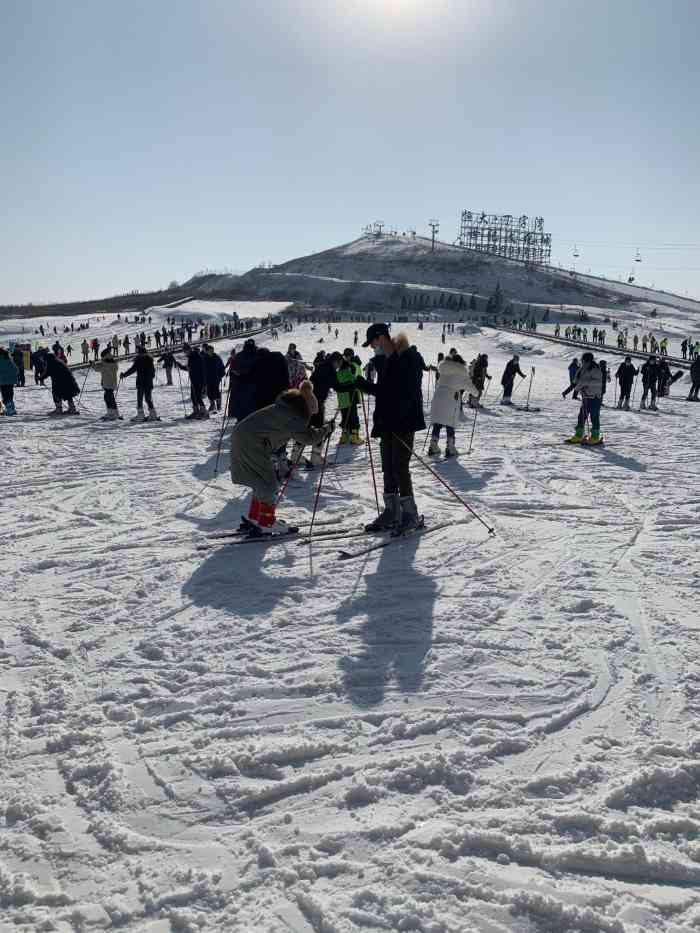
{"x": 214, "y": 371}
{"x": 241, "y": 383}
{"x": 695, "y": 376}
{"x": 64, "y": 388}
{"x": 195, "y": 368}
{"x": 145, "y": 370}
{"x": 625, "y": 376}
{"x": 398, "y": 414}
{"x": 168, "y": 361}
{"x": 650, "y": 383}
{"x": 508, "y": 378}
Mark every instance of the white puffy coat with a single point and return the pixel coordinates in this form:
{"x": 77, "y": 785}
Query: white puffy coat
{"x": 454, "y": 378}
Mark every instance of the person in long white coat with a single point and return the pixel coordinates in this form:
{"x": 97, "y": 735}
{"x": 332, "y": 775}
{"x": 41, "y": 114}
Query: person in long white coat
{"x": 444, "y": 411}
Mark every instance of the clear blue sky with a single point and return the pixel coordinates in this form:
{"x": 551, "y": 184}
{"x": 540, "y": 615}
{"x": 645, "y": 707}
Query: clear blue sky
{"x": 144, "y": 141}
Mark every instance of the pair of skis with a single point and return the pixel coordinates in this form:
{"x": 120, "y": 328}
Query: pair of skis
{"x": 242, "y": 536}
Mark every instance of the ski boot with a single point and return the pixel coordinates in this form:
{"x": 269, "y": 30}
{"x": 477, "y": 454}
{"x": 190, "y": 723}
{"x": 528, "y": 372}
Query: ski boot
{"x": 619, "y": 404}
{"x": 450, "y": 447}
{"x": 356, "y": 439}
{"x": 72, "y": 410}
{"x": 577, "y": 438}
{"x": 268, "y": 525}
{"x": 434, "y": 448}
{"x": 57, "y": 411}
{"x": 627, "y": 406}
{"x": 653, "y": 407}
{"x": 642, "y": 405}
{"x": 139, "y": 416}
{"x": 152, "y": 415}
{"x": 410, "y": 519}
{"x": 594, "y": 440}
{"x": 506, "y": 401}
{"x": 389, "y": 518}
{"x": 10, "y": 408}
{"x": 344, "y": 438}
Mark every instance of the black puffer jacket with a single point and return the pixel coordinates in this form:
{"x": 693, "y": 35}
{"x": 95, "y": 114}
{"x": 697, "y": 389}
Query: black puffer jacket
{"x": 399, "y": 407}
{"x": 145, "y": 371}
{"x": 270, "y": 375}
{"x": 63, "y": 384}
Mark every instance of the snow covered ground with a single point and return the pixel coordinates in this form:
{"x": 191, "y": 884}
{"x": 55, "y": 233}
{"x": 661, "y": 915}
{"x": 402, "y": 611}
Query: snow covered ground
{"x": 455, "y": 733}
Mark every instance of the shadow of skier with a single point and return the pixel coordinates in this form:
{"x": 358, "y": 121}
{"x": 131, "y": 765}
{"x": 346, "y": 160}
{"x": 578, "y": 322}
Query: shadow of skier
{"x": 398, "y": 632}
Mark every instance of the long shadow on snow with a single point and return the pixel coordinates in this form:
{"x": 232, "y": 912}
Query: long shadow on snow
{"x": 398, "y": 632}
{"x": 232, "y": 579}
{"x": 628, "y": 463}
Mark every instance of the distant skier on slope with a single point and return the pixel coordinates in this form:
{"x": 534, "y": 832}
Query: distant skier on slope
{"x": 695, "y": 376}
{"x": 508, "y": 378}
{"x": 589, "y": 383}
{"x": 625, "y": 376}
{"x": 650, "y": 383}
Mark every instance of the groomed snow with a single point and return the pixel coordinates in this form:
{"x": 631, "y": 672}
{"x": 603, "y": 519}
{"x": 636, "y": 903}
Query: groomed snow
{"x": 455, "y": 733}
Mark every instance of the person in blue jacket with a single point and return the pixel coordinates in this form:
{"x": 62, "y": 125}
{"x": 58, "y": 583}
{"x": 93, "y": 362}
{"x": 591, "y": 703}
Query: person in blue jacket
{"x": 8, "y": 380}
{"x": 574, "y": 367}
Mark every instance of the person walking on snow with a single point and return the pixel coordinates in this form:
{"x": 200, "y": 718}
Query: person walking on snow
{"x": 145, "y": 371}
{"x": 625, "y": 376}
{"x": 8, "y": 381}
{"x": 398, "y": 414}
{"x": 508, "y": 378}
{"x": 589, "y": 384}
{"x": 108, "y": 368}
{"x": 444, "y": 411}
{"x": 252, "y": 440}
{"x": 168, "y": 361}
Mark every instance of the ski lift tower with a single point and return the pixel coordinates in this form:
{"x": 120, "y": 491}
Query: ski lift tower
{"x": 434, "y": 227}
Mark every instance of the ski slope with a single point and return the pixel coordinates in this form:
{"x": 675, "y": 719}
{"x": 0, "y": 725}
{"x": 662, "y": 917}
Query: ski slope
{"x": 455, "y": 733}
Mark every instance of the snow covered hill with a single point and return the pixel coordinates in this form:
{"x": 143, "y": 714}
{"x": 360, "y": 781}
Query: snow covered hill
{"x": 371, "y": 272}
{"x": 455, "y": 733}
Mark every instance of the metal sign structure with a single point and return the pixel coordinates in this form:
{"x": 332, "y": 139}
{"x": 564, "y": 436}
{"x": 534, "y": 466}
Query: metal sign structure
{"x": 521, "y": 238}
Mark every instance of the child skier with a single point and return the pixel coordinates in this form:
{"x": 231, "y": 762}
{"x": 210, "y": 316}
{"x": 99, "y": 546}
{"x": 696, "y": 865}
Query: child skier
{"x": 108, "y": 368}
{"x": 589, "y": 383}
{"x": 255, "y": 438}
{"x": 350, "y": 369}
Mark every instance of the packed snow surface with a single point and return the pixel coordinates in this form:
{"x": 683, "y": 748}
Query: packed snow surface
{"x": 455, "y": 733}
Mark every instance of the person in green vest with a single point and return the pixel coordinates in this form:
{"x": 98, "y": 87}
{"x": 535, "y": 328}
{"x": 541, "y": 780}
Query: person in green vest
{"x": 350, "y": 369}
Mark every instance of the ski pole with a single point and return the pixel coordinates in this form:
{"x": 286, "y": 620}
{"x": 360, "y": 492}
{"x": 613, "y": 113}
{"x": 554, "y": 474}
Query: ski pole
{"x": 529, "y": 390}
{"x": 369, "y": 450}
{"x": 289, "y": 475}
{"x": 224, "y": 422}
{"x": 320, "y": 483}
{"x": 182, "y": 391}
{"x": 437, "y": 476}
{"x": 84, "y": 381}
{"x": 476, "y": 412}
